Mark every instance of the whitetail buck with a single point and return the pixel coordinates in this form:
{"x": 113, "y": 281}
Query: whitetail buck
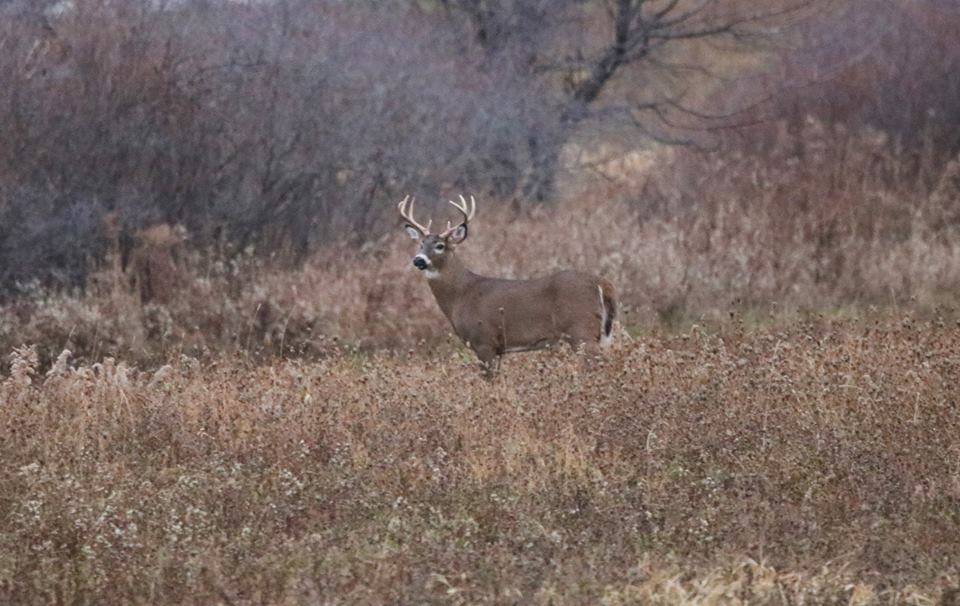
{"x": 495, "y": 316}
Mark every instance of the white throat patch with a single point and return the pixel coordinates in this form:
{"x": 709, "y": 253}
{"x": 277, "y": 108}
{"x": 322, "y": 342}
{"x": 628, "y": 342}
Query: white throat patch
{"x": 431, "y": 274}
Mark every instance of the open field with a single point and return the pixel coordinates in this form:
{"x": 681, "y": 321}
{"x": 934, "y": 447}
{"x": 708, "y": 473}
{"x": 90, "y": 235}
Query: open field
{"x": 813, "y": 462}
{"x": 283, "y": 433}
{"x": 223, "y": 382}
{"x": 693, "y": 241}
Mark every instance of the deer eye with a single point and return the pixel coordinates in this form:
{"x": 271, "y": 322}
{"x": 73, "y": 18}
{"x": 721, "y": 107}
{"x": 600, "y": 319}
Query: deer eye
{"x": 439, "y": 247}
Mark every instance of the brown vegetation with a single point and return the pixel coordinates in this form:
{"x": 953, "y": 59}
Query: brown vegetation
{"x": 803, "y": 452}
{"x": 690, "y": 241}
{"x": 281, "y": 126}
{"x": 810, "y": 464}
{"x": 275, "y": 411}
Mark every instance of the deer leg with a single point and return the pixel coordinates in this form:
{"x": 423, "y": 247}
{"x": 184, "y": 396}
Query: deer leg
{"x": 489, "y": 361}
{"x": 493, "y": 367}
{"x": 588, "y": 347}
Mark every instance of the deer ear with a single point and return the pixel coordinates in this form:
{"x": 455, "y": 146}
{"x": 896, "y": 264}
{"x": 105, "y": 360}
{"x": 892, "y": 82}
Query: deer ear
{"x": 412, "y": 232}
{"x": 459, "y": 234}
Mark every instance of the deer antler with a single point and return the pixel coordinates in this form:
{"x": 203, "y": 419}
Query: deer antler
{"x": 467, "y": 210}
{"x": 407, "y": 213}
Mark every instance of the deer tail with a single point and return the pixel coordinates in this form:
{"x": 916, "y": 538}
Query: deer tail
{"x": 608, "y": 311}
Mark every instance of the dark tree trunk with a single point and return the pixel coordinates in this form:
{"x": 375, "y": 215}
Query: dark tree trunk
{"x": 546, "y": 160}
{"x": 545, "y": 164}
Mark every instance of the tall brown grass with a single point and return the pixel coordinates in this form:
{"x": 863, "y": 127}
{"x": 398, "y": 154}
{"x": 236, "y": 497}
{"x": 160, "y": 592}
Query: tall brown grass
{"x": 814, "y": 463}
{"x": 827, "y": 220}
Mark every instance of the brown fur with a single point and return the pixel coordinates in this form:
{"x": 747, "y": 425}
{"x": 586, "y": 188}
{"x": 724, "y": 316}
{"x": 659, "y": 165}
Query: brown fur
{"x": 153, "y": 266}
{"x": 496, "y": 316}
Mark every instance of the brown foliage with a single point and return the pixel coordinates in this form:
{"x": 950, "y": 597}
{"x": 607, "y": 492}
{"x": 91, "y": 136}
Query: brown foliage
{"x": 813, "y": 463}
{"x": 888, "y": 66}
{"x": 825, "y": 221}
{"x": 284, "y": 125}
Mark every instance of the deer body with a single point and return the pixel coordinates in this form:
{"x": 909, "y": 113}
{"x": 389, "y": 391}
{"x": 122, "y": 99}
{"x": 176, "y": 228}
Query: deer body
{"x": 496, "y": 316}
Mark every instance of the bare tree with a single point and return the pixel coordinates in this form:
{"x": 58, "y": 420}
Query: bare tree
{"x": 632, "y": 40}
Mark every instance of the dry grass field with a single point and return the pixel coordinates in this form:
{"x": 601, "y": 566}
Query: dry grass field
{"x": 808, "y": 463}
{"x": 777, "y": 423}
{"x": 696, "y": 239}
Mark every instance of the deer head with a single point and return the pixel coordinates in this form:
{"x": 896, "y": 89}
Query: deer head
{"x": 435, "y": 250}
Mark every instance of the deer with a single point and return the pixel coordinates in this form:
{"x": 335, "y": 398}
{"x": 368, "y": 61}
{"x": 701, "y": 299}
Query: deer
{"x": 496, "y": 316}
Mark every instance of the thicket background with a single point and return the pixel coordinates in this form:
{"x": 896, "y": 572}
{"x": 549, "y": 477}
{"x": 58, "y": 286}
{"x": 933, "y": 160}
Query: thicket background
{"x": 289, "y": 124}
{"x": 247, "y": 157}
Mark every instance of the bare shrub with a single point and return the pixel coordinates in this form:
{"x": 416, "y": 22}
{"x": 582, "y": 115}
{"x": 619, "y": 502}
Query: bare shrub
{"x": 886, "y": 67}
{"x": 702, "y": 236}
{"x": 47, "y": 238}
{"x": 277, "y": 127}
{"x": 267, "y": 125}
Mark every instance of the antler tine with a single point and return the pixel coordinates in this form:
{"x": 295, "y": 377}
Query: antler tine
{"x": 407, "y": 213}
{"x": 465, "y": 208}
{"x": 462, "y": 206}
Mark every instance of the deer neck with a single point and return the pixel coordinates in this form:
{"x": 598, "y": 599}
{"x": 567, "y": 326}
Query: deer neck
{"x": 450, "y": 282}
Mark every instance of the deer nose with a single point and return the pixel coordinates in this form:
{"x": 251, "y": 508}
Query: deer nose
{"x": 419, "y": 262}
